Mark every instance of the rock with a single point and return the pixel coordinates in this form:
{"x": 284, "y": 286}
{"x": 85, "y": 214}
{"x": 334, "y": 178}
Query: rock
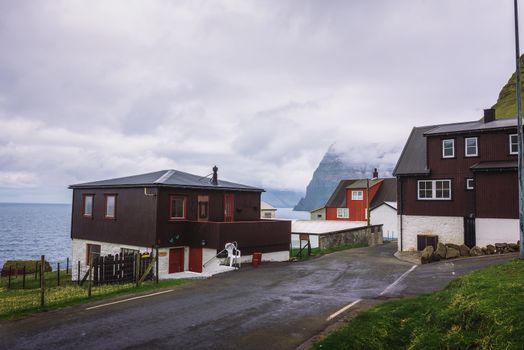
{"x": 464, "y": 250}
{"x": 501, "y": 248}
{"x": 484, "y": 250}
{"x": 491, "y": 249}
{"x": 476, "y": 251}
{"x": 512, "y": 247}
{"x": 440, "y": 253}
{"x": 454, "y": 246}
{"x": 427, "y": 255}
{"x": 452, "y": 253}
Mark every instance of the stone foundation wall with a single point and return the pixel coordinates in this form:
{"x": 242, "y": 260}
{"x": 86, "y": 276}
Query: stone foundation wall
{"x": 449, "y": 229}
{"x": 371, "y": 236}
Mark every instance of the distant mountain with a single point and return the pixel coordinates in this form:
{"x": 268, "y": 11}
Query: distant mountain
{"x": 337, "y": 165}
{"x": 506, "y": 106}
{"x": 281, "y": 198}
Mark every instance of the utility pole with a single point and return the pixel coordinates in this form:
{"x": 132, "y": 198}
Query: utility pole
{"x": 519, "y": 131}
{"x": 367, "y": 203}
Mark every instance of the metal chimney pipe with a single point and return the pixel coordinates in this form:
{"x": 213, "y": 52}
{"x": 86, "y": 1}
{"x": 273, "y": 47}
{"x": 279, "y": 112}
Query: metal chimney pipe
{"x": 214, "y": 180}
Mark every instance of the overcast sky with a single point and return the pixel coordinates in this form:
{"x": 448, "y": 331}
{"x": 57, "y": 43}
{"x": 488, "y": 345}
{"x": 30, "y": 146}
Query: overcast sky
{"x": 98, "y": 89}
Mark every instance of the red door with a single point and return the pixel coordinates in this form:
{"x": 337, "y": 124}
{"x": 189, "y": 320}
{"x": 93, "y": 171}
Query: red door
{"x": 176, "y": 260}
{"x": 229, "y": 205}
{"x": 195, "y": 259}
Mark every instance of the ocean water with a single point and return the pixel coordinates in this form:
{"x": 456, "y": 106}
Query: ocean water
{"x": 30, "y": 230}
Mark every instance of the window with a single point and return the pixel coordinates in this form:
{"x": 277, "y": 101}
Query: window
{"x": 129, "y": 251}
{"x": 110, "y": 206}
{"x": 177, "y": 209}
{"x": 93, "y": 251}
{"x": 434, "y": 189}
{"x": 203, "y": 205}
{"x": 357, "y": 195}
{"x": 267, "y": 215}
{"x": 513, "y": 144}
{"x": 471, "y": 147}
{"x": 88, "y": 205}
{"x": 448, "y": 148}
{"x": 342, "y": 213}
{"x": 470, "y": 185}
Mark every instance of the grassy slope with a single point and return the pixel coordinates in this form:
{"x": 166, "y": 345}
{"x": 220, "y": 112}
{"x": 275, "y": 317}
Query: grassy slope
{"x": 484, "y": 310}
{"x": 506, "y": 103}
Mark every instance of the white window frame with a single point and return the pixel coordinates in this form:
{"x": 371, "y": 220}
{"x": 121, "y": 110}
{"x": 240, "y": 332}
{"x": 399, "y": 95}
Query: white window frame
{"x": 476, "y": 147}
{"x": 357, "y": 195}
{"x": 433, "y": 190}
{"x": 452, "y": 148}
{"x": 470, "y": 184}
{"x": 342, "y": 213}
{"x": 511, "y": 144}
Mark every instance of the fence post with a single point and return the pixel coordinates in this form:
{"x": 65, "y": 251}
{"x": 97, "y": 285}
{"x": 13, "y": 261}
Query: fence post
{"x": 137, "y": 263}
{"x": 156, "y": 264}
{"x": 78, "y": 272}
{"x": 42, "y": 280}
{"x": 36, "y": 270}
{"x": 58, "y": 274}
{"x": 90, "y": 275}
{"x": 9, "y": 278}
{"x": 67, "y": 266}
{"x": 23, "y": 279}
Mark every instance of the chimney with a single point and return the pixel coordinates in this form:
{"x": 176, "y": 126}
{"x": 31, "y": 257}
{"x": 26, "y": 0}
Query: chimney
{"x": 375, "y": 173}
{"x": 214, "y": 180}
{"x": 489, "y": 115}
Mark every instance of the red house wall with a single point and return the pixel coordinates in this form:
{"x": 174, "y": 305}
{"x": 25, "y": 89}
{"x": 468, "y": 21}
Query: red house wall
{"x": 357, "y": 209}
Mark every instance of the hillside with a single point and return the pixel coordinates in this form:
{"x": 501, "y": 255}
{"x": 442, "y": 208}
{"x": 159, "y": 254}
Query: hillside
{"x": 506, "y": 102}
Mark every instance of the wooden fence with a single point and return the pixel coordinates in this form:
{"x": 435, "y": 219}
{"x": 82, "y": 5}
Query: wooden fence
{"x": 121, "y": 268}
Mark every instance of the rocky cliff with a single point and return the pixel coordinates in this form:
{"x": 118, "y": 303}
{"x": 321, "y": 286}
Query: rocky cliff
{"x": 337, "y": 165}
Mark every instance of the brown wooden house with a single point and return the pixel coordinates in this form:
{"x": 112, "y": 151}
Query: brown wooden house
{"x": 189, "y": 217}
{"x": 458, "y": 183}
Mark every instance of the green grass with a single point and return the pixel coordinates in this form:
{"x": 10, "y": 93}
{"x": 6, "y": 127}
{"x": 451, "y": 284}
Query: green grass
{"x": 51, "y": 280}
{"x": 317, "y": 251}
{"x": 18, "y": 302}
{"x": 483, "y": 310}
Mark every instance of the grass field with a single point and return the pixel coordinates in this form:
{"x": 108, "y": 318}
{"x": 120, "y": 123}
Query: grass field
{"x": 16, "y": 301}
{"x": 483, "y": 310}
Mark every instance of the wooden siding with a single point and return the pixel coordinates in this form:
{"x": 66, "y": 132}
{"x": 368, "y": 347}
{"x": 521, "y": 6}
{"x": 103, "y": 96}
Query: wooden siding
{"x": 497, "y": 195}
{"x": 135, "y": 222}
{"x": 492, "y": 146}
{"x": 357, "y": 208}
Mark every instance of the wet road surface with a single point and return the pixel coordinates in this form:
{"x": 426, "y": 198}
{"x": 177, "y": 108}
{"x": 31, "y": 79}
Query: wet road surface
{"x": 275, "y": 306}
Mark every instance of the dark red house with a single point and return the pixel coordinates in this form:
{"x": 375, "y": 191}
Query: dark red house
{"x": 459, "y": 182}
{"x": 189, "y": 217}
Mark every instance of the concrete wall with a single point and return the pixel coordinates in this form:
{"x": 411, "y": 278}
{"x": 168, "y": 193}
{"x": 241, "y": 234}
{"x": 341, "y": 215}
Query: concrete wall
{"x": 295, "y": 241}
{"x": 319, "y": 214}
{"x": 371, "y": 236}
{"x": 491, "y": 231}
{"x": 387, "y": 217}
{"x": 450, "y": 229}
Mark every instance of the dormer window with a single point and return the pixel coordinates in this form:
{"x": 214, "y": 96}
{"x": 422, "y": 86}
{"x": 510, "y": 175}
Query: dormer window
{"x": 357, "y": 195}
{"x": 471, "y": 147}
{"x": 448, "y": 148}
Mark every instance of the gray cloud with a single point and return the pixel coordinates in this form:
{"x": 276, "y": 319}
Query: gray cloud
{"x": 95, "y": 89}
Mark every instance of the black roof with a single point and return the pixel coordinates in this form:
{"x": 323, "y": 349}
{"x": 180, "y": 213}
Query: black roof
{"x": 387, "y": 192}
{"x": 167, "y": 178}
{"x": 509, "y": 165}
{"x": 475, "y": 126}
{"x": 338, "y": 197}
{"x": 412, "y": 160}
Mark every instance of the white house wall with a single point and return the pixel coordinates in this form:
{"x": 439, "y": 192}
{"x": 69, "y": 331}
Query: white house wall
{"x": 450, "y": 229}
{"x": 387, "y": 217}
{"x": 491, "y": 231}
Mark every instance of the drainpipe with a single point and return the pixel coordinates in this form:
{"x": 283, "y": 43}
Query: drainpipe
{"x": 400, "y": 210}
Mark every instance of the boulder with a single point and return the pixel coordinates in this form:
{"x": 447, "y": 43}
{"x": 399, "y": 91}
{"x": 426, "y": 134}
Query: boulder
{"x": 452, "y": 253}
{"x": 464, "y": 250}
{"x": 454, "y": 246}
{"x": 440, "y": 253}
{"x": 490, "y": 248}
{"x": 427, "y": 255}
{"x": 501, "y": 248}
{"x": 476, "y": 251}
{"x": 484, "y": 250}
{"x": 512, "y": 247}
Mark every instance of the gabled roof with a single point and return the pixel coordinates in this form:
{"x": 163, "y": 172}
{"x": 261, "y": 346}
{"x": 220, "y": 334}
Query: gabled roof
{"x": 363, "y": 183}
{"x": 266, "y": 206}
{"x": 412, "y": 160}
{"x": 338, "y": 197}
{"x": 166, "y": 178}
{"x": 474, "y": 126}
{"x": 386, "y": 193}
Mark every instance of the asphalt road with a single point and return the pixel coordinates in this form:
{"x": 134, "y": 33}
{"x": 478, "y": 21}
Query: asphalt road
{"x": 275, "y": 306}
